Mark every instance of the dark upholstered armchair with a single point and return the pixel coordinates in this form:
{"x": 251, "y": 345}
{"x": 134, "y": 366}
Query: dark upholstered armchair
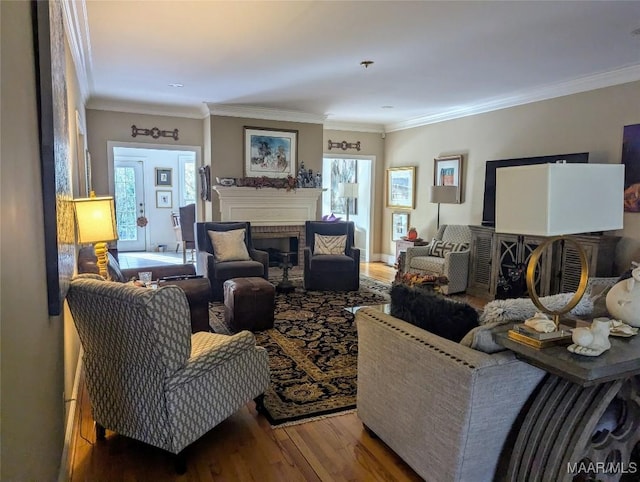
{"x": 337, "y": 271}
{"x": 218, "y": 271}
{"x": 187, "y": 219}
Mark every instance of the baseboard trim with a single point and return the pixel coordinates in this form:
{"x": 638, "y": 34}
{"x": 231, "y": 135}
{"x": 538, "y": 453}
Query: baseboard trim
{"x": 72, "y": 417}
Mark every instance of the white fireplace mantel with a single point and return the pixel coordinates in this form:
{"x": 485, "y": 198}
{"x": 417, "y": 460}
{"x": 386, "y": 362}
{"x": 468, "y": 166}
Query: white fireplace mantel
{"x": 268, "y": 206}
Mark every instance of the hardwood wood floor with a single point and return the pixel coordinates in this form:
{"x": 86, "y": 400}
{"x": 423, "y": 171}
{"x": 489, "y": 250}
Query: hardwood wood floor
{"x": 245, "y": 448}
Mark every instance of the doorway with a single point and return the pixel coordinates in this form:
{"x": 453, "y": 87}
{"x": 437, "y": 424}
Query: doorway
{"x": 150, "y": 184}
{"x": 334, "y": 169}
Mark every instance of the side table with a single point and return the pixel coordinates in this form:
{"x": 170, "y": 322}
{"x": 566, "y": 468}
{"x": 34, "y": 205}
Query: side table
{"x": 401, "y": 250}
{"x": 285, "y": 285}
{"x": 586, "y": 411}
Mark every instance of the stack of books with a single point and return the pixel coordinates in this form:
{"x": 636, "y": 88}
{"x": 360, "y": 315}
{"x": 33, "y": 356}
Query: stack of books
{"x": 527, "y": 335}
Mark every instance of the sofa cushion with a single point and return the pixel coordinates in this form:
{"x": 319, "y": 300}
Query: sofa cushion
{"x": 327, "y": 245}
{"x": 229, "y": 245}
{"x": 430, "y": 264}
{"x": 432, "y": 312}
{"x": 332, "y": 262}
{"x": 441, "y": 248}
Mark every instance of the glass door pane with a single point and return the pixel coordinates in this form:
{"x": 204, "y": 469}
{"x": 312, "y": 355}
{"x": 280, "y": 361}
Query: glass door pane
{"x": 129, "y": 201}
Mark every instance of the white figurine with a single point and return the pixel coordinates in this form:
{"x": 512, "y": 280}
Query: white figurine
{"x": 592, "y": 341}
{"x": 623, "y": 299}
{"x": 541, "y": 323}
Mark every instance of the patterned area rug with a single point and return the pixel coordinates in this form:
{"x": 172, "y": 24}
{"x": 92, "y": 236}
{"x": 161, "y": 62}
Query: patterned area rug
{"x": 312, "y": 348}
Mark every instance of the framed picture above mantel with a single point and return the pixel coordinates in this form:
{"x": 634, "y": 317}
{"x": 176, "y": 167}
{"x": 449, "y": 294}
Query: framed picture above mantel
{"x": 270, "y": 152}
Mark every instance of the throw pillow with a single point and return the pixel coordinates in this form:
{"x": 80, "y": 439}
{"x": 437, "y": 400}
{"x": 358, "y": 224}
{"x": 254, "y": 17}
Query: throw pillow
{"x": 329, "y": 244}
{"x": 429, "y": 311}
{"x": 482, "y": 338}
{"x": 441, "y": 248}
{"x": 229, "y": 245}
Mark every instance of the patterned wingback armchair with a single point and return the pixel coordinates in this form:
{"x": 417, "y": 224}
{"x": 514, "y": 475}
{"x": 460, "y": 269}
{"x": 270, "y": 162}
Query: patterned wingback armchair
{"x": 217, "y": 270}
{"x": 330, "y": 269}
{"x": 147, "y": 376}
{"x": 447, "y": 254}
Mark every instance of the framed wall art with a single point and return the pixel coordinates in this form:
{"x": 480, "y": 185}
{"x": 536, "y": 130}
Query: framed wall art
{"x": 164, "y": 176}
{"x": 631, "y": 161}
{"x": 164, "y": 199}
{"x": 269, "y": 152}
{"x": 401, "y": 187}
{"x": 399, "y": 225}
{"x": 447, "y": 171}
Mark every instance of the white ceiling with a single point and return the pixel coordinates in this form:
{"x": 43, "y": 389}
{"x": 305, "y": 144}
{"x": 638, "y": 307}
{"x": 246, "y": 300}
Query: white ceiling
{"x": 433, "y": 60}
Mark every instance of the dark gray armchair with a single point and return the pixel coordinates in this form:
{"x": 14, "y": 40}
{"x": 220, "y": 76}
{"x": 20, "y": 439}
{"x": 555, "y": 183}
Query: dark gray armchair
{"x": 331, "y": 272}
{"x": 220, "y": 271}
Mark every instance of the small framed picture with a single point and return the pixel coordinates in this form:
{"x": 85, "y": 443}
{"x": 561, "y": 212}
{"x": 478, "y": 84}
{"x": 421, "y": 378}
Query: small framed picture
{"x": 399, "y": 225}
{"x": 447, "y": 171}
{"x": 401, "y": 187}
{"x": 164, "y": 199}
{"x": 163, "y": 176}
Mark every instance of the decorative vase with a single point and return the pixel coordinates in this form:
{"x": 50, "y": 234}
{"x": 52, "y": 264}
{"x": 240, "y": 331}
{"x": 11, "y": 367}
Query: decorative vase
{"x": 412, "y": 234}
{"x": 623, "y": 300}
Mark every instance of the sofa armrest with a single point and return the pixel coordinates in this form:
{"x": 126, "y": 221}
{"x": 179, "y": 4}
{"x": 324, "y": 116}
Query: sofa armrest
{"x": 261, "y": 257}
{"x": 354, "y": 253}
{"x": 209, "y": 350}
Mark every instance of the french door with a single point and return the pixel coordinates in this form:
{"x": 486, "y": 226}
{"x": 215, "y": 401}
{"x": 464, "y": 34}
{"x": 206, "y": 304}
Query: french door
{"x": 130, "y": 207}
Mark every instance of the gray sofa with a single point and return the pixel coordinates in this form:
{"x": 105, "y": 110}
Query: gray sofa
{"x": 447, "y": 410}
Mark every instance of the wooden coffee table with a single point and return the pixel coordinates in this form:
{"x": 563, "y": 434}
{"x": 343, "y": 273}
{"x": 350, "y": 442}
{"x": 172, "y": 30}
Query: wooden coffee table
{"x": 575, "y": 400}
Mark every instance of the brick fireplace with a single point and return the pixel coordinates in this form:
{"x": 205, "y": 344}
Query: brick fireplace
{"x": 273, "y": 213}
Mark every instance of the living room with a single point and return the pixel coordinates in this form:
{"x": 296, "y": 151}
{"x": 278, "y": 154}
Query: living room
{"x": 39, "y": 352}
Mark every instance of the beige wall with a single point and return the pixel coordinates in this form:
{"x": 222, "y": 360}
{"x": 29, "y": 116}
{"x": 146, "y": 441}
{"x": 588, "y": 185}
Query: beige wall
{"x": 227, "y": 147}
{"x": 371, "y": 144}
{"x": 31, "y": 342}
{"x": 586, "y": 122}
{"x": 104, "y": 126}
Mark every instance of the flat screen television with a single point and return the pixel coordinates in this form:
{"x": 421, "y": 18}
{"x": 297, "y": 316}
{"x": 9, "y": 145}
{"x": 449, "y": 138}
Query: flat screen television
{"x": 489, "y": 206}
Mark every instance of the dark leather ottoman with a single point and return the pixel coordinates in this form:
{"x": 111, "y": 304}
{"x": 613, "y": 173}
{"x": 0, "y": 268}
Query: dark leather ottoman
{"x": 198, "y": 291}
{"x": 249, "y": 304}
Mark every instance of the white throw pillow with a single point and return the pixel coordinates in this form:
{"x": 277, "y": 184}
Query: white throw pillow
{"x": 229, "y": 245}
{"x": 329, "y": 244}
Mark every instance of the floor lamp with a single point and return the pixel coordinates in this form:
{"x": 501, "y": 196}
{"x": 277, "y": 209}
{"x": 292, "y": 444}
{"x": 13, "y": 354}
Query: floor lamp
{"x": 443, "y": 195}
{"x": 96, "y": 223}
{"x": 555, "y": 200}
{"x": 348, "y": 190}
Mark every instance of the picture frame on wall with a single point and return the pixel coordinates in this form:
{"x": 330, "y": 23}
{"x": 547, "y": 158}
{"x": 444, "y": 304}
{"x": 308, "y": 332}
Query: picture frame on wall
{"x": 164, "y": 199}
{"x": 401, "y": 187}
{"x": 399, "y": 225}
{"x": 270, "y": 152}
{"x": 631, "y": 161}
{"x": 164, "y": 176}
{"x": 447, "y": 171}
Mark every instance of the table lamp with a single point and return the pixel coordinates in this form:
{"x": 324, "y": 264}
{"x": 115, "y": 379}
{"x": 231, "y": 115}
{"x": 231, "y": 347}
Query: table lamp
{"x": 348, "y": 190}
{"x": 96, "y": 223}
{"x": 553, "y": 201}
{"x": 443, "y": 195}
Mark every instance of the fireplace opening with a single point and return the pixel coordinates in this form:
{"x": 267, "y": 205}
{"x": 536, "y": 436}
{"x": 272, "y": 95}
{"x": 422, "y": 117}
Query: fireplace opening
{"x": 276, "y": 246}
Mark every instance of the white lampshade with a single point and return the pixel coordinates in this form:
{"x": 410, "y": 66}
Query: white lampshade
{"x": 444, "y": 194}
{"x": 348, "y": 190}
{"x": 95, "y": 219}
{"x": 559, "y": 199}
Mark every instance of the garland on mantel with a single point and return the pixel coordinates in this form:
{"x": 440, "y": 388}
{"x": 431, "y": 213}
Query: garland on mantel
{"x": 287, "y": 183}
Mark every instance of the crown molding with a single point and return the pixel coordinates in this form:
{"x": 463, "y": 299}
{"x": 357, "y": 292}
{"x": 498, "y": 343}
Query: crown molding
{"x": 584, "y": 84}
{"x": 264, "y": 113}
{"x": 77, "y": 30}
{"x": 352, "y": 126}
{"x": 190, "y": 112}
